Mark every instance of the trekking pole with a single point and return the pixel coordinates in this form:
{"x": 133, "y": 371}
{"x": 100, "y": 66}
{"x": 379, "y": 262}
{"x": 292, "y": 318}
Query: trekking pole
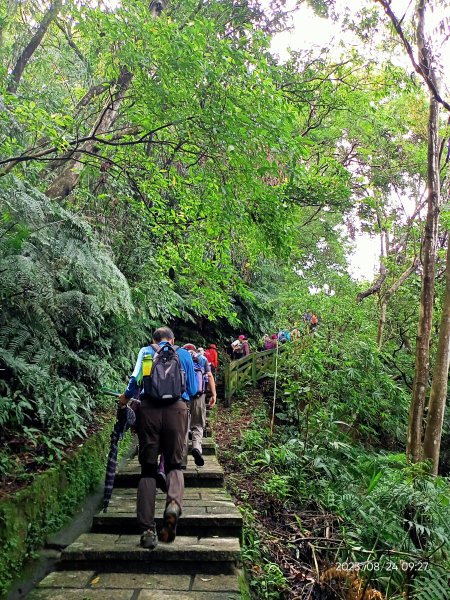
{"x": 110, "y": 392}
{"x": 272, "y": 422}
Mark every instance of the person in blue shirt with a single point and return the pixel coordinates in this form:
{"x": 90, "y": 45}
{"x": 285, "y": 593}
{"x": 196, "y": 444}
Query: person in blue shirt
{"x": 161, "y": 427}
{"x": 197, "y": 407}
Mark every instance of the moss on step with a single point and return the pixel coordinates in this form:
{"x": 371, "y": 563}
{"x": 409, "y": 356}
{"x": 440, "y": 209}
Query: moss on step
{"x": 30, "y": 515}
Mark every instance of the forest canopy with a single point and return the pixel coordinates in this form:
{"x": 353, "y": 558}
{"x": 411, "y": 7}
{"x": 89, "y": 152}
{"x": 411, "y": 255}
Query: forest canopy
{"x": 160, "y": 164}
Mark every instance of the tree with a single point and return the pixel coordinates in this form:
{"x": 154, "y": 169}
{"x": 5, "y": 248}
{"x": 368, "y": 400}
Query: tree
{"x": 427, "y": 67}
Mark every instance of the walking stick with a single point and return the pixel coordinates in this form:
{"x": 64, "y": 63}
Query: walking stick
{"x": 272, "y": 422}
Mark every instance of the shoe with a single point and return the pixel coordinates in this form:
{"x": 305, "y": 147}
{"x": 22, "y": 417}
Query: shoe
{"x": 149, "y": 539}
{"x": 198, "y": 458}
{"x": 169, "y": 528}
{"x": 161, "y": 481}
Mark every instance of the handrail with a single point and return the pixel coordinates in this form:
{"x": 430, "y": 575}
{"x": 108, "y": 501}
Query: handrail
{"x": 249, "y": 369}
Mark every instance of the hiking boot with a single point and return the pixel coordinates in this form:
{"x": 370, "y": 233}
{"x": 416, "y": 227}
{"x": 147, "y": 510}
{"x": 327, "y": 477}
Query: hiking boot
{"x": 198, "y": 458}
{"x": 149, "y": 539}
{"x": 169, "y": 528}
{"x": 161, "y": 481}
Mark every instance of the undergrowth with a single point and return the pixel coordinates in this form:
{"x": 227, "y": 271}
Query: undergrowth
{"x": 330, "y": 503}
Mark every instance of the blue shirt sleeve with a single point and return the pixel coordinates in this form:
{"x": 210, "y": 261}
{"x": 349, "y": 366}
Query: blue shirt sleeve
{"x": 188, "y": 367}
{"x": 135, "y": 379}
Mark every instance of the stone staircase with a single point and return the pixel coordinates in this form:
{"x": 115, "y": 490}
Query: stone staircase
{"x": 202, "y": 564}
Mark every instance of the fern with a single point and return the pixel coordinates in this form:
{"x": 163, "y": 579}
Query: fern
{"x": 432, "y": 584}
{"x": 63, "y": 299}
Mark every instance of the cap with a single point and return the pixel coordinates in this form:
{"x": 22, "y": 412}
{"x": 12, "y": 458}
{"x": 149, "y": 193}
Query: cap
{"x": 213, "y": 346}
{"x": 241, "y": 337}
{"x": 189, "y": 347}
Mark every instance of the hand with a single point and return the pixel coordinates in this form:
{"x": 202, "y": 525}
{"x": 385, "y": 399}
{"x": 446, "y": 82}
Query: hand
{"x": 123, "y": 401}
{"x": 212, "y": 401}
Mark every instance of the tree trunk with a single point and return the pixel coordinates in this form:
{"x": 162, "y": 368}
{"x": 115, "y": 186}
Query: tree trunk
{"x": 438, "y": 394}
{"x": 381, "y": 323}
{"x": 70, "y": 175}
{"x": 422, "y": 364}
{"x": 32, "y": 46}
{"x": 385, "y": 298}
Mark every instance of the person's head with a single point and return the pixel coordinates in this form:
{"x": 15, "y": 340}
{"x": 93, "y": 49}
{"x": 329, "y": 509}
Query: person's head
{"x": 274, "y": 336}
{"x": 241, "y": 337}
{"x": 213, "y": 347}
{"x": 190, "y": 347}
{"x": 201, "y": 350}
{"x": 163, "y": 334}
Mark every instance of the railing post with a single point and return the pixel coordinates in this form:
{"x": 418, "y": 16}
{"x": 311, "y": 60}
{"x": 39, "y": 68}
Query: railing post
{"x": 226, "y": 383}
{"x": 254, "y": 380}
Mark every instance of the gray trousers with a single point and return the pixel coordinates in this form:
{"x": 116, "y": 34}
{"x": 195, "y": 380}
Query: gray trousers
{"x": 197, "y": 423}
{"x": 160, "y": 429}
{"x": 198, "y": 420}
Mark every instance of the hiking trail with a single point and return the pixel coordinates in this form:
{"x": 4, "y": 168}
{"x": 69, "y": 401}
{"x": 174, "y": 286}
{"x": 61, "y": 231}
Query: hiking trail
{"x": 201, "y": 564}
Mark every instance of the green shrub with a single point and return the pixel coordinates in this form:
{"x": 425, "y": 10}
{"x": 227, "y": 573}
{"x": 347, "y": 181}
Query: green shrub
{"x": 30, "y": 515}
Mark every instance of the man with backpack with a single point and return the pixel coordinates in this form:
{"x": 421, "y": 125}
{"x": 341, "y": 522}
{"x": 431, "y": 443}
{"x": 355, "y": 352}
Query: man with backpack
{"x": 166, "y": 375}
{"x": 197, "y": 405}
{"x": 237, "y": 348}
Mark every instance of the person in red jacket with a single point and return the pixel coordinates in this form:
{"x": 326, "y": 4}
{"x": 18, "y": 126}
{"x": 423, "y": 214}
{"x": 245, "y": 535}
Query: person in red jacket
{"x": 212, "y": 357}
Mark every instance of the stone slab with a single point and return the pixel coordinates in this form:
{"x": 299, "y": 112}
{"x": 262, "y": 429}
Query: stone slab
{"x": 141, "y": 581}
{"x": 80, "y": 594}
{"x": 125, "y": 504}
{"x": 67, "y": 579}
{"x": 190, "y": 494}
{"x": 152, "y": 595}
{"x": 110, "y": 547}
{"x": 190, "y": 515}
{"x": 211, "y": 465}
{"x": 215, "y": 583}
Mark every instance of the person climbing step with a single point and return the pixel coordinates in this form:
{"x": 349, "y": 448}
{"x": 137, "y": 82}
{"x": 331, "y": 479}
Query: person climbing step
{"x": 168, "y": 383}
{"x": 197, "y": 407}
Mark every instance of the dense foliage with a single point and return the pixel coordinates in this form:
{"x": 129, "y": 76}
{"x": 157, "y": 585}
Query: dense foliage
{"x": 173, "y": 170}
{"x": 331, "y": 486}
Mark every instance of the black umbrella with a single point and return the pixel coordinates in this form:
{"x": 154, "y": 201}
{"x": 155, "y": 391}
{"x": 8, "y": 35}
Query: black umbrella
{"x": 126, "y": 418}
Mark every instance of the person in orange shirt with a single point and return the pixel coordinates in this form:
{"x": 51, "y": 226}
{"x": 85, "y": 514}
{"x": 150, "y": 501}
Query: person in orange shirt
{"x": 212, "y": 357}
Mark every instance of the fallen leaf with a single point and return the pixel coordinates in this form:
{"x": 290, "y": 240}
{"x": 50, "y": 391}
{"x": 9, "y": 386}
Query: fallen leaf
{"x": 95, "y": 580}
{"x": 210, "y": 579}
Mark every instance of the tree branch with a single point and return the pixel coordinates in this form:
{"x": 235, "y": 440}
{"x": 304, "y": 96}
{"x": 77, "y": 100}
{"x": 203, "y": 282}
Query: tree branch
{"x": 423, "y": 68}
{"x": 76, "y": 144}
{"x": 373, "y": 289}
{"x": 32, "y": 46}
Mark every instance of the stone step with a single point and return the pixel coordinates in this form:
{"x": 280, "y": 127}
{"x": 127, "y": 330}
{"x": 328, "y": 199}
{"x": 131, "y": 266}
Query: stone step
{"x": 210, "y": 475}
{"x": 208, "y": 447}
{"x": 95, "y": 585}
{"x": 206, "y": 511}
{"x": 97, "y": 550}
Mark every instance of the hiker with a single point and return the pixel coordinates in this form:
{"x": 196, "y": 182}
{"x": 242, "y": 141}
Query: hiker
{"x": 245, "y": 345}
{"x": 197, "y": 405}
{"x": 274, "y": 338}
{"x": 295, "y": 333}
{"x": 237, "y": 348}
{"x": 213, "y": 358}
{"x": 267, "y": 342}
{"x": 284, "y": 335}
{"x": 314, "y": 321}
{"x": 166, "y": 373}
